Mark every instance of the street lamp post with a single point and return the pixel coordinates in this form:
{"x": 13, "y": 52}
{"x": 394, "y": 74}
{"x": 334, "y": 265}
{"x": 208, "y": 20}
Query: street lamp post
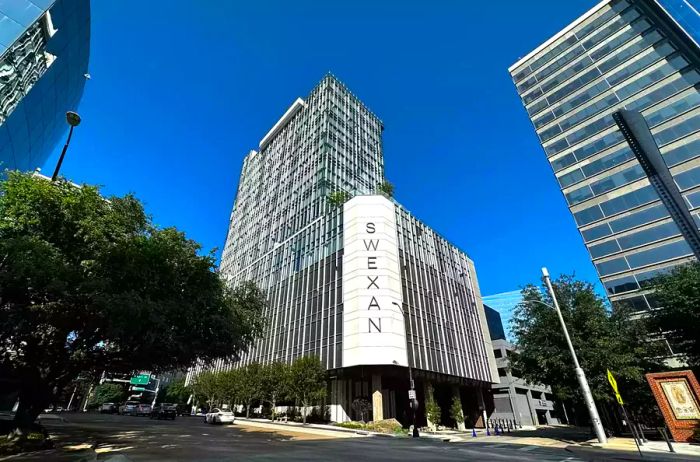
{"x": 583, "y": 383}
{"x": 73, "y": 120}
{"x": 412, "y": 390}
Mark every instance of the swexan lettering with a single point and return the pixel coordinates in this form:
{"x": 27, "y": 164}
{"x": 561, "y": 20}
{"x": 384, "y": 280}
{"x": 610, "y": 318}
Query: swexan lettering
{"x": 373, "y": 324}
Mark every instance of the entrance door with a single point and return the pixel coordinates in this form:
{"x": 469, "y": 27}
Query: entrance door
{"x": 541, "y": 416}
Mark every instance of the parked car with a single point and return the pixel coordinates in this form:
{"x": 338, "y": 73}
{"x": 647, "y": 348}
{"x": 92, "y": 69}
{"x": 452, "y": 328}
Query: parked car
{"x": 164, "y": 411}
{"x": 108, "y": 408}
{"x": 217, "y": 415}
{"x": 129, "y": 408}
{"x": 143, "y": 409}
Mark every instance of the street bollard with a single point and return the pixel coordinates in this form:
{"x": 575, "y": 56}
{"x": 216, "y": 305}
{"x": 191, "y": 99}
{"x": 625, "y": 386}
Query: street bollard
{"x": 508, "y": 427}
{"x": 488, "y": 433}
{"x": 662, "y": 430}
{"x": 474, "y": 432}
{"x": 641, "y": 433}
{"x": 495, "y": 430}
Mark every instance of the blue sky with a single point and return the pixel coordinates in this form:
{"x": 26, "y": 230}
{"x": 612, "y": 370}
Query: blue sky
{"x": 181, "y": 90}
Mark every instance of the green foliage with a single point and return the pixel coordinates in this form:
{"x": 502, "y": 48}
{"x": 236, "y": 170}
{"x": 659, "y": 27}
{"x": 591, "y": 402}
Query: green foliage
{"x": 388, "y": 426}
{"x": 338, "y": 198}
{"x": 90, "y": 282}
{"x": 303, "y": 380}
{"x": 206, "y": 387}
{"x": 602, "y": 340}
{"x": 249, "y": 385}
{"x": 432, "y": 409}
{"x": 456, "y": 410}
{"x": 107, "y": 393}
{"x": 176, "y": 392}
{"x": 274, "y": 384}
{"x": 351, "y": 425}
{"x": 679, "y": 294}
{"x": 307, "y": 381}
{"x": 385, "y": 188}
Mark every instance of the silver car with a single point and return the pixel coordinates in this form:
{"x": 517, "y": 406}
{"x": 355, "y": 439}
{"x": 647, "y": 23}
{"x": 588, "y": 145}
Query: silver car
{"x": 129, "y": 408}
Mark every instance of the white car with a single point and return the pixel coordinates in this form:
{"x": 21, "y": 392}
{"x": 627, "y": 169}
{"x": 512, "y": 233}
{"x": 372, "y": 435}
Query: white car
{"x": 217, "y": 415}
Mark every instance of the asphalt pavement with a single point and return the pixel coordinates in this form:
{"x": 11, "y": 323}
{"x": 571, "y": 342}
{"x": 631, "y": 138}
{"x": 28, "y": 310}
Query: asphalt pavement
{"x": 85, "y": 437}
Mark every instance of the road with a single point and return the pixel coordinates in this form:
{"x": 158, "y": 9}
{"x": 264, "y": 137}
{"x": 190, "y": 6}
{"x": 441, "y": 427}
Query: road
{"x": 84, "y": 437}
{"x": 121, "y": 439}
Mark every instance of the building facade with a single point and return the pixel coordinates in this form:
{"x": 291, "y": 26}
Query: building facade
{"x": 516, "y": 401}
{"x": 44, "y": 53}
{"x": 364, "y": 286}
{"x": 505, "y": 304}
{"x": 639, "y": 57}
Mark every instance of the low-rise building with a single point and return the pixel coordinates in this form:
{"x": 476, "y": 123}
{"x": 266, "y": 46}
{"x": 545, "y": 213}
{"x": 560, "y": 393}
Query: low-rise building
{"x": 514, "y": 399}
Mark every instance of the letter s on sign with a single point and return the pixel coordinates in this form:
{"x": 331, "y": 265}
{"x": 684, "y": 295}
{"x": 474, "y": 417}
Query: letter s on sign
{"x": 370, "y": 228}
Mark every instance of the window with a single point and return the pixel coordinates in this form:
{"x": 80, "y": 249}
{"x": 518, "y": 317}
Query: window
{"x": 588, "y": 215}
{"x": 497, "y": 353}
{"x": 639, "y": 218}
{"x": 596, "y": 232}
{"x": 629, "y": 200}
{"x": 659, "y": 254}
{"x": 621, "y": 285}
{"x": 612, "y": 266}
{"x": 682, "y": 153}
{"x": 606, "y": 248}
{"x": 688, "y": 179}
{"x": 648, "y": 235}
{"x": 618, "y": 179}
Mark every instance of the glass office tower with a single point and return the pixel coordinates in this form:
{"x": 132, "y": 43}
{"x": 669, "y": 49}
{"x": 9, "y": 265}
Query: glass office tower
{"x": 632, "y": 55}
{"x": 44, "y": 52}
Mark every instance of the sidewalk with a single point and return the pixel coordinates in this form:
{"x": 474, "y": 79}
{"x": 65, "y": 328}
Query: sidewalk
{"x": 654, "y": 450}
{"x": 329, "y": 431}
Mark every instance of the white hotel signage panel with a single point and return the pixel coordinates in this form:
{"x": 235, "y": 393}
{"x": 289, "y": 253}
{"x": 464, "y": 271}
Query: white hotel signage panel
{"x": 373, "y": 325}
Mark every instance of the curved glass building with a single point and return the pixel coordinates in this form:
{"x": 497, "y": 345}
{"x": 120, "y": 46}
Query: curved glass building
{"x": 44, "y": 53}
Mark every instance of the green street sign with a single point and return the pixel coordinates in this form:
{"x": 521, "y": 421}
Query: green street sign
{"x": 141, "y": 379}
{"x": 138, "y": 389}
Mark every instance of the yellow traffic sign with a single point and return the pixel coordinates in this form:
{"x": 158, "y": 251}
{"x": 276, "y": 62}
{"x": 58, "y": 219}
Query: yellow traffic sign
{"x": 613, "y": 384}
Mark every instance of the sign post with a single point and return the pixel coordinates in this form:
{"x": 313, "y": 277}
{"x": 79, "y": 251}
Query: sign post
{"x": 613, "y": 384}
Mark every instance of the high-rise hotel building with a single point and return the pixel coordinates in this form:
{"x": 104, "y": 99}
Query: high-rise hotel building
{"x": 340, "y": 278}
{"x": 615, "y": 101}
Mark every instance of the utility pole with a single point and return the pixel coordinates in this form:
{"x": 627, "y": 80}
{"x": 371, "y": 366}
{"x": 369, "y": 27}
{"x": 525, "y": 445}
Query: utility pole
{"x": 412, "y": 388}
{"x": 583, "y": 383}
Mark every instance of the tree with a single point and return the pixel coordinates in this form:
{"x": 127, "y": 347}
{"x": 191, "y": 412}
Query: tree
{"x": 206, "y": 385}
{"x": 385, "y": 188}
{"x": 432, "y": 408}
{"x": 274, "y": 384}
{"x": 249, "y": 385}
{"x": 307, "y": 381}
{"x": 362, "y": 406}
{"x": 176, "y": 392}
{"x": 678, "y": 293}
{"x": 228, "y": 386}
{"x": 338, "y": 198}
{"x": 456, "y": 411}
{"x": 107, "y": 393}
{"x": 603, "y": 340}
{"x": 89, "y": 282}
